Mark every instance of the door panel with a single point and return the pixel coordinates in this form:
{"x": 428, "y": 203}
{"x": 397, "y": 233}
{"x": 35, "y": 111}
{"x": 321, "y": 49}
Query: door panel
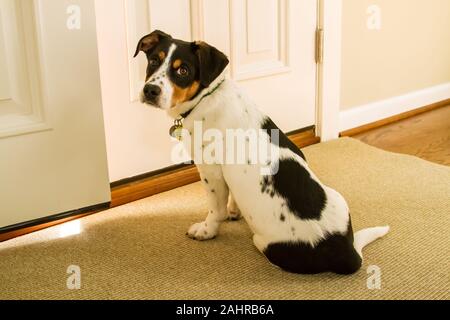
{"x": 272, "y": 56}
{"x": 259, "y": 38}
{"x": 52, "y": 146}
{"x": 270, "y": 44}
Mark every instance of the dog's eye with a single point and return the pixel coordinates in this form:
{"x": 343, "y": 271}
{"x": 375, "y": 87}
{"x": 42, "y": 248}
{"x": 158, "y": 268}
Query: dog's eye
{"x": 182, "y": 71}
{"x": 154, "y": 62}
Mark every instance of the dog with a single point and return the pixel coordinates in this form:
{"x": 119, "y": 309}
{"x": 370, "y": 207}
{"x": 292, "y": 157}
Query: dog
{"x": 299, "y": 224}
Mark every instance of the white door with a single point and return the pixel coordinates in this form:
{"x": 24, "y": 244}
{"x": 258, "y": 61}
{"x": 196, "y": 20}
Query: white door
{"x": 271, "y": 45}
{"x": 52, "y": 147}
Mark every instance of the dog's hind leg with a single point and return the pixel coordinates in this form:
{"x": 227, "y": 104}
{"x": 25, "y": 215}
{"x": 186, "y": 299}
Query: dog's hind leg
{"x": 260, "y": 243}
{"x": 233, "y": 210}
{"x": 217, "y": 196}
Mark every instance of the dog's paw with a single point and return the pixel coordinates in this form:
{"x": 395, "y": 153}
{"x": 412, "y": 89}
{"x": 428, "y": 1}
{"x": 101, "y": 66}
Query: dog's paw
{"x": 233, "y": 212}
{"x": 234, "y": 216}
{"x": 202, "y": 231}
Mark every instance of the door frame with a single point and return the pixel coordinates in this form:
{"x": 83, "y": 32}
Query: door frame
{"x": 329, "y": 71}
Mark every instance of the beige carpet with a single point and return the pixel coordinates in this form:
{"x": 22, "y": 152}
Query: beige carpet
{"x": 140, "y": 251}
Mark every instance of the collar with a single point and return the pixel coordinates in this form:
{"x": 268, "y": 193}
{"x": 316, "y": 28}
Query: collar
{"x": 187, "y": 113}
{"x": 177, "y": 128}
{"x": 184, "y": 109}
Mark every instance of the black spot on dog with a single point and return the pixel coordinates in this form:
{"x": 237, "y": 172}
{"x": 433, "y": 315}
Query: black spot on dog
{"x": 213, "y": 191}
{"x": 283, "y": 142}
{"x": 335, "y": 253}
{"x": 206, "y": 181}
{"x": 304, "y": 197}
{"x": 282, "y": 218}
{"x": 265, "y": 184}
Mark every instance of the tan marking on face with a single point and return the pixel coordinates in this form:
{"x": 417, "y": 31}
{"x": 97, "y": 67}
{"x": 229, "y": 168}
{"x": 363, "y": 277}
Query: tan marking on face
{"x": 177, "y": 63}
{"x": 181, "y": 95}
{"x": 162, "y": 55}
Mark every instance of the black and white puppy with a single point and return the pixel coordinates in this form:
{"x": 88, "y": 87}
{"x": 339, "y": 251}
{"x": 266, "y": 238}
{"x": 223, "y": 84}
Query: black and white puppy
{"x": 299, "y": 224}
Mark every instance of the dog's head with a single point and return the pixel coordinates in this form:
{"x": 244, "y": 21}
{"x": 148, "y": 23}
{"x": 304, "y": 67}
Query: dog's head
{"x": 177, "y": 71}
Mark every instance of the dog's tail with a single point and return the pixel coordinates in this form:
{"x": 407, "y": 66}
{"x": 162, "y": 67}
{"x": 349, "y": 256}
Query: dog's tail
{"x": 366, "y": 236}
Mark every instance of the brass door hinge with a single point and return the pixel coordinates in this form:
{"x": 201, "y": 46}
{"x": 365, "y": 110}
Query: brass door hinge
{"x": 319, "y": 46}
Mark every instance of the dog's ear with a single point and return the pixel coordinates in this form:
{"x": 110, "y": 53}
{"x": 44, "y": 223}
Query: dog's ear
{"x": 211, "y": 62}
{"x": 150, "y": 41}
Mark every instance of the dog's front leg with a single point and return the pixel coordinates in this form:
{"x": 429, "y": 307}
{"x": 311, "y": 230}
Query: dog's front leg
{"x": 217, "y": 196}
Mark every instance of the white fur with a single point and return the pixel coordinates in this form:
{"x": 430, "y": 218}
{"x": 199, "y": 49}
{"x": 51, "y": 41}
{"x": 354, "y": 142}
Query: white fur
{"x": 366, "y": 236}
{"x": 229, "y": 108}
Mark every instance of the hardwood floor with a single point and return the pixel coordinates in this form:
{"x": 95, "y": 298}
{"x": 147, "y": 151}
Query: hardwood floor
{"x": 426, "y": 136}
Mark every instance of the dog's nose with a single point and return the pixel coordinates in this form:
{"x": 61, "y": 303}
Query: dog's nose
{"x": 152, "y": 92}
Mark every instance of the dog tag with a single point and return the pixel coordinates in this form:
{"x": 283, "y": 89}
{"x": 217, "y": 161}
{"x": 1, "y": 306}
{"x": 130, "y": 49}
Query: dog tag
{"x": 176, "y": 132}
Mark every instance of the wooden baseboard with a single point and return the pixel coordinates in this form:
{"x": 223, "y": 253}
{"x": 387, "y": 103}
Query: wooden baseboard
{"x": 47, "y": 222}
{"x": 144, "y": 188}
{"x": 305, "y": 138}
{"x": 151, "y": 184}
{"x": 398, "y": 117}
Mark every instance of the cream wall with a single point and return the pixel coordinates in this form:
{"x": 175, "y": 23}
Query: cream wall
{"x": 410, "y": 52}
